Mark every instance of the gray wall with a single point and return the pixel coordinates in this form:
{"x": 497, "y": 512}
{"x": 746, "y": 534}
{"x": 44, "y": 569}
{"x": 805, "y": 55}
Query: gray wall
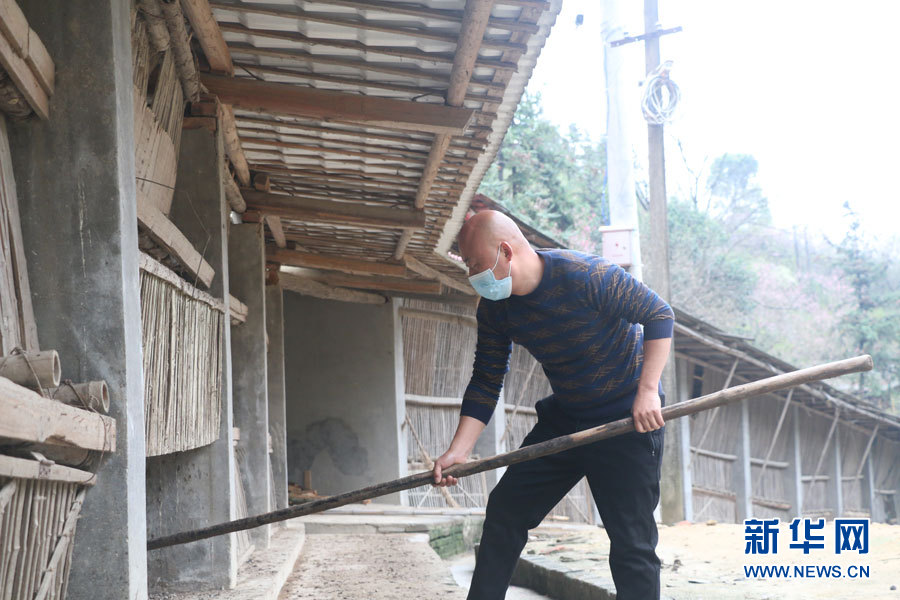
{"x": 75, "y": 179}
{"x": 344, "y": 388}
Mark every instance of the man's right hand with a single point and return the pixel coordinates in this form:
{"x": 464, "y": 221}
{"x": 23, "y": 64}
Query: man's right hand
{"x": 448, "y": 459}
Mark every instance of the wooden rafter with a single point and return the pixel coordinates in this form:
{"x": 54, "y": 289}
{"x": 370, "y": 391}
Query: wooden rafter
{"x": 332, "y": 211}
{"x": 334, "y": 263}
{"x": 25, "y": 59}
{"x": 414, "y": 264}
{"x": 280, "y": 98}
{"x": 207, "y": 32}
{"x": 308, "y": 287}
{"x": 471, "y": 39}
{"x": 380, "y": 283}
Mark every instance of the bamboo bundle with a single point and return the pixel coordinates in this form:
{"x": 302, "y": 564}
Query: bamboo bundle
{"x": 242, "y": 538}
{"x": 182, "y": 341}
{"x": 37, "y": 523}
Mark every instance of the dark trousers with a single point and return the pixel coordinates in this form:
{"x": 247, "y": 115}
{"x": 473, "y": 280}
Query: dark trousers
{"x": 623, "y": 473}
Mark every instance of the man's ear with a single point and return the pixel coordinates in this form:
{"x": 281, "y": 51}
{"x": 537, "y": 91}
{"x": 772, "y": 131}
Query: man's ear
{"x": 507, "y": 250}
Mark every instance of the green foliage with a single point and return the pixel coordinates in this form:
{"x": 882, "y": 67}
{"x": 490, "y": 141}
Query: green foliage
{"x": 553, "y": 181}
{"x": 870, "y": 320}
{"x": 797, "y": 297}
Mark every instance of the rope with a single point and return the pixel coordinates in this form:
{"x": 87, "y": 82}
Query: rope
{"x": 37, "y": 380}
{"x": 661, "y": 95}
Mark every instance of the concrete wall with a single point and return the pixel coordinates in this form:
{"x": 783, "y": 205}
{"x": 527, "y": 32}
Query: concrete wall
{"x": 275, "y": 385}
{"x": 344, "y": 388}
{"x": 192, "y": 489}
{"x": 76, "y": 189}
{"x": 246, "y": 272}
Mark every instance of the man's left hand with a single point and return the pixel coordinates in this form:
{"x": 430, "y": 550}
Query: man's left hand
{"x": 647, "y": 410}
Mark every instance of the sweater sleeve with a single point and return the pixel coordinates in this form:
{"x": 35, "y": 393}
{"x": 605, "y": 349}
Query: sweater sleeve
{"x": 616, "y": 293}
{"x": 492, "y": 352}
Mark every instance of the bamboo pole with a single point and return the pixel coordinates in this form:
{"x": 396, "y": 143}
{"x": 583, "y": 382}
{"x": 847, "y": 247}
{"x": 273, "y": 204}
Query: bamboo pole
{"x": 553, "y": 446}
{"x": 92, "y": 395}
{"x": 34, "y": 370}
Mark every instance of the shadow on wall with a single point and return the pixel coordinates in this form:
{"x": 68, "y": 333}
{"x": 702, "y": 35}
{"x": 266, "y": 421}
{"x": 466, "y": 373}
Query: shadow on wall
{"x": 335, "y": 437}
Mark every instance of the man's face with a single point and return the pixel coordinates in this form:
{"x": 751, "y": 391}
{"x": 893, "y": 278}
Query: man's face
{"x": 478, "y": 256}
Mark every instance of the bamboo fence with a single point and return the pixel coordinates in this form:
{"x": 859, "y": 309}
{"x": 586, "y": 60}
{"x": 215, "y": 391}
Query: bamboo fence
{"x": 242, "y": 538}
{"x": 183, "y": 354}
{"x": 37, "y": 524}
{"x": 437, "y": 358}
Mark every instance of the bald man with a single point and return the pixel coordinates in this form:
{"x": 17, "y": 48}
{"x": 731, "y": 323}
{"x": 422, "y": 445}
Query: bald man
{"x": 578, "y": 315}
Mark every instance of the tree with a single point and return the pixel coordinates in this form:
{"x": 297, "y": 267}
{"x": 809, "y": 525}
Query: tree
{"x": 871, "y": 318}
{"x": 555, "y": 182}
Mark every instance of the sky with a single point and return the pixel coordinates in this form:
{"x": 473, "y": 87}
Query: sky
{"x": 808, "y": 88}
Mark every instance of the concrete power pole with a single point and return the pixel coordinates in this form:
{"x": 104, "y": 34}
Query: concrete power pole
{"x": 619, "y": 158}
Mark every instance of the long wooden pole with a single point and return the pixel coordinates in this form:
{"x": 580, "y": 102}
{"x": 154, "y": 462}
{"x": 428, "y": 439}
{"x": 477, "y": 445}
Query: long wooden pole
{"x": 559, "y": 444}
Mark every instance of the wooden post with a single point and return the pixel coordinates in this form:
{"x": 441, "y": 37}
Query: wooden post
{"x": 682, "y": 381}
{"x": 837, "y": 480}
{"x": 876, "y": 512}
{"x": 794, "y": 482}
{"x": 552, "y": 446}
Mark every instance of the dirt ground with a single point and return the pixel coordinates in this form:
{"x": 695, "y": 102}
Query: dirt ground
{"x": 702, "y": 561}
{"x": 371, "y": 567}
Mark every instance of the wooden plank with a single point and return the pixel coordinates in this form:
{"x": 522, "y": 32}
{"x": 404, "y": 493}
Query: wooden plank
{"x": 24, "y": 78}
{"x": 239, "y": 310}
{"x": 262, "y": 182}
{"x": 150, "y": 265}
{"x": 331, "y": 211}
{"x": 263, "y": 96}
{"x": 164, "y": 232}
{"x": 274, "y": 223}
{"x": 308, "y": 287}
{"x": 207, "y": 33}
{"x": 334, "y": 263}
{"x": 27, "y": 325}
{"x": 22, "y": 468}
{"x": 30, "y": 417}
{"x": 414, "y": 264}
{"x": 378, "y": 283}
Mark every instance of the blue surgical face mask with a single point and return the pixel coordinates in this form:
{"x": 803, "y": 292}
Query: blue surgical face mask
{"x": 488, "y": 286}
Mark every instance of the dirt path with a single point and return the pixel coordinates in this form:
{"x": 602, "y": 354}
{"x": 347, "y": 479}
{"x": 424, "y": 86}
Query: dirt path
{"x": 707, "y": 562}
{"x": 370, "y": 567}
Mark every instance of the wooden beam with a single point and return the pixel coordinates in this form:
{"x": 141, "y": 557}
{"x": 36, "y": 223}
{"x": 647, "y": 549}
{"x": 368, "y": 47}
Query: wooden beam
{"x": 233, "y": 144}
{"x": 334, "y": 263}
{"x": 165, "y": 233}
{"x": 308, "y": 287}
{"x": 181, "y": 47}
{"x": 232, "y": 191}
{"x": 239, "y": 310}
{"x": 262, "y": 182}
{"x": 471, "y": 35}
{"x": 30, "y": 417}
{"x": 274, "y": 223}
{"x": 27, "y": 44}
{"x": 22, "y": 468}
{"x": 436, "y": 315}
{"x": 208, "y": 34}
{"x": 16, "y": 66}
{"x": 263, "y": 96}
{"x": 331, "y": 211}
{"x": 414, "y": 264}
{"x": 382, "y": 284}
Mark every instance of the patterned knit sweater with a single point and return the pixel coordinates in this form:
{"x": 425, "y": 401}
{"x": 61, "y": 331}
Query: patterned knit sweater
{"x": 580, "y": 323}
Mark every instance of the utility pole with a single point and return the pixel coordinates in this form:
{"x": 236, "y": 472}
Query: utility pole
{"x": 619, "y": 159}
{"x": 675, "y": 500}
